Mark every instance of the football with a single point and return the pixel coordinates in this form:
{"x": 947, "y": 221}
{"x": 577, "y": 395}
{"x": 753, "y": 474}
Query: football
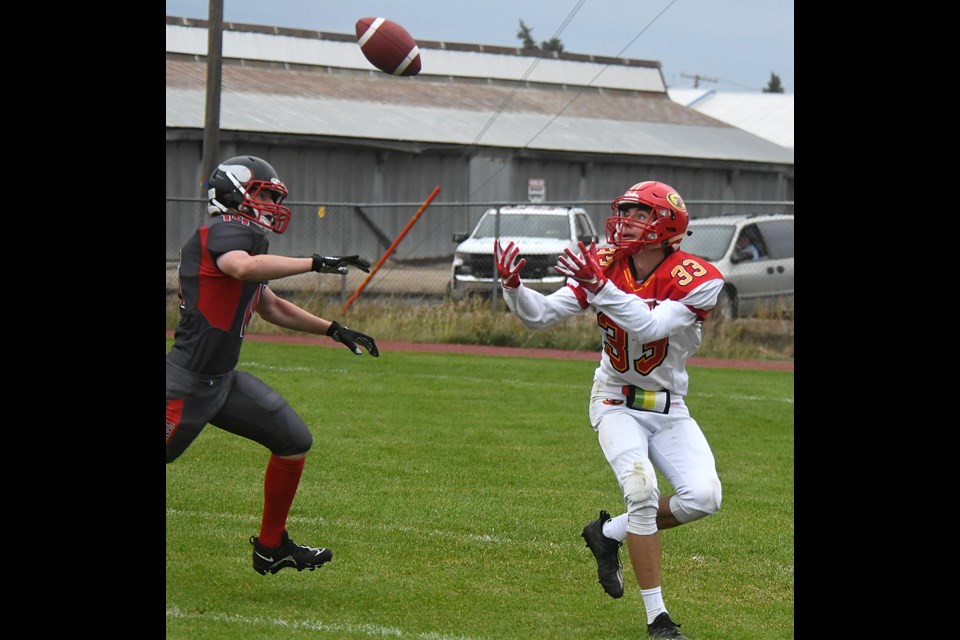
{"x": 388, "y": 46}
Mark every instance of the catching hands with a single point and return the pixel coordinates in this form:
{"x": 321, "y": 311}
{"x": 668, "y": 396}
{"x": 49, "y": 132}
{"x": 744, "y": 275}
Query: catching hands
{"x": 584, "y": 268}
{"x": 351, "y": 339}
{"x": 338, "y": 264}
{"x": 509, "y": 270}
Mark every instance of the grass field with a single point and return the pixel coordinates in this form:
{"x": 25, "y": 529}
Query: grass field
{"x": 452, "y": 490}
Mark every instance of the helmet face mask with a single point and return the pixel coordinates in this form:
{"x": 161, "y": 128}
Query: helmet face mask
{"x": 249, "y": 187}
{"x": 665, "y": 226}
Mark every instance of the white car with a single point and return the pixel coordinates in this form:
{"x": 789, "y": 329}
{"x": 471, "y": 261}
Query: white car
{"x": 761, "y": 275}
{"x": 541, "y": 232}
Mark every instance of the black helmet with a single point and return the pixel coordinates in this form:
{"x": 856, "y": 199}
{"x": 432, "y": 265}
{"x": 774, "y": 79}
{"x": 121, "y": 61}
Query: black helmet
{"x": 237, "y": 186}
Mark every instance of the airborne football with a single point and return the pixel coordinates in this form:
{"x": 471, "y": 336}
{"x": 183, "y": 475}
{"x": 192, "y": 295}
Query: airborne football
{"x": 388, "y": 46}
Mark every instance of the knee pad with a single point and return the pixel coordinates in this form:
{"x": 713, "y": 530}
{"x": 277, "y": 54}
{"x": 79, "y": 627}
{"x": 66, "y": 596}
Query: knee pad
{"x": 639, "y": 486}
{"x": 641, "y": 495}
{"x": 642, "y": 522}
{"x": 296, "y": 436}
{"x": 300, "y": 441}
{"x": 698, "y": 503}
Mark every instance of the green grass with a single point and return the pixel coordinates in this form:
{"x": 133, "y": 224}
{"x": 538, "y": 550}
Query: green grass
{"x": 453, "y": 489}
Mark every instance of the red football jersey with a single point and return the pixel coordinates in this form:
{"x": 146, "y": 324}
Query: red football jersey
{"x": 649, "y": 328}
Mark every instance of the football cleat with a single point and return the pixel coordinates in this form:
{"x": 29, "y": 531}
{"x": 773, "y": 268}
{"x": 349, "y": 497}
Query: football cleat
{"x": 607, "y": 552}
{"x": 663, "y": 627}
{"x": 288, "y": 554}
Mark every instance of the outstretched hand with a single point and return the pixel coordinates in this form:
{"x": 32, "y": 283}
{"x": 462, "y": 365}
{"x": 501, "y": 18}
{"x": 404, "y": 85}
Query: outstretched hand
{"x": 584, "y": 268}
{"x": 351, "y": 339}
{"x": 506, "y": 265}
{"x": 338, "y": 264}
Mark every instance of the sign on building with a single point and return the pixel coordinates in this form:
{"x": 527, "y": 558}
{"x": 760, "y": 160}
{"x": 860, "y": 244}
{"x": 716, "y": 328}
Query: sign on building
{"x": 536, "y": 190}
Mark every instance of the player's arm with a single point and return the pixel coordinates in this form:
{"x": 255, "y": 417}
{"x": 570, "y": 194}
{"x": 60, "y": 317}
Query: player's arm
{"x": 243, "y": 266}
{"x": 535, "y": 310}
{"x": 538, "y": 311}
{"x": 284, "y": 313}
{"x": 636, "y": 317}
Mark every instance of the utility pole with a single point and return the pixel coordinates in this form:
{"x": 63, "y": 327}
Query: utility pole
{"x": 211, "y": 122}
{"x": 697, "y": 78}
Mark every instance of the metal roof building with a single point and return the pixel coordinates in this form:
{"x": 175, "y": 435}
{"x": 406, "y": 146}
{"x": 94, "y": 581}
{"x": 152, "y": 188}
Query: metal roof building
{"x": 483, "y": 122}
{"x": 768, "y": 115}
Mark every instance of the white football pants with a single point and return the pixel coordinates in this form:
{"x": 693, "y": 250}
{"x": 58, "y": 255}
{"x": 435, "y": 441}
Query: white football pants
{"x": 635, "y": 443}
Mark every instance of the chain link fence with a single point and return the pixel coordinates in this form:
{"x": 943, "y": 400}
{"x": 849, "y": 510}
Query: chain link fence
{"x": 413, "y": 255}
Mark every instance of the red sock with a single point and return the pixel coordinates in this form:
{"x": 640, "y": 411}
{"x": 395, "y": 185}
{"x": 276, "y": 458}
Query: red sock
{"x": 279, "y": 488}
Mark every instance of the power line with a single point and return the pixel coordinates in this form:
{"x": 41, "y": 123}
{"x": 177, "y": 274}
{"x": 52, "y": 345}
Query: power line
{"x": 697, "y": 78}
{"x": 526, "y": 74}
{"x": 577, "y": 95}
{"x": 649, "y": 24}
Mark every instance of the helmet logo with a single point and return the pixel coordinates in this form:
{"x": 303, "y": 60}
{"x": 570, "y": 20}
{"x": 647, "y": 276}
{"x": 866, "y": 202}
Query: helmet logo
{"x": 242, "y": 173}
{"x": 676, "y": 201}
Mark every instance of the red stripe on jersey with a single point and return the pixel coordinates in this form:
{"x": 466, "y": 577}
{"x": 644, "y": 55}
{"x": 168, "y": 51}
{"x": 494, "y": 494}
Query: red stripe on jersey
{"x": 174, "y": 414}
{"x": 219, "y": 295}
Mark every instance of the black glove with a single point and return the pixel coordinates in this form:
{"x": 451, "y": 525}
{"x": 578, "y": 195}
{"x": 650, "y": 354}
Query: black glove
{"x": 351, "y": 339}
{"x": 338, "y": 264}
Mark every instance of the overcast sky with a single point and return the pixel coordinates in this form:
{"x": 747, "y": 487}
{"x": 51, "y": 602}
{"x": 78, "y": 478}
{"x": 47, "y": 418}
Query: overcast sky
{"x": 732, "y": 45}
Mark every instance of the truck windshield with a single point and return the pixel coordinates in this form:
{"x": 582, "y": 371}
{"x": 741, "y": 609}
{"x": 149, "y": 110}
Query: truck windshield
{"x": 515, "y": 225}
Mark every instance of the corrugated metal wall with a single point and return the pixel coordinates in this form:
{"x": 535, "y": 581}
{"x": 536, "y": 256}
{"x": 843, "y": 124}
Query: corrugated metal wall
{"x": 330, "y": 174}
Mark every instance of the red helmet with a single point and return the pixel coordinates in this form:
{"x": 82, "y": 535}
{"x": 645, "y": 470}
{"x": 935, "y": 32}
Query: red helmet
{"x": 667, "y": 226}
{"x": 234, "y": 185}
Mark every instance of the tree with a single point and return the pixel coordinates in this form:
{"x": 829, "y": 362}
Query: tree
{"x": 553, "y": 44}
{"x": 524, "y": 35}
{"x": 774, "y": 86}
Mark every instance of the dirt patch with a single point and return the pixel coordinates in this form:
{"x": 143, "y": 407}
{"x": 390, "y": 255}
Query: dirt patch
{"x": 480, "y": 350}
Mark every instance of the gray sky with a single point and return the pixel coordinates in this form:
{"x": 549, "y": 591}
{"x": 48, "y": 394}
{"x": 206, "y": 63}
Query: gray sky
{"x": 738, "y": 43}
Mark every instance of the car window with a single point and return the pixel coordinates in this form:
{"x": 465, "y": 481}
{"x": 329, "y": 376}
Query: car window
{"x": 778, "y": 236}
{"x": 750, "y": 244}
{"x": 530, "y": 225}
{"x": 583, "y": 226}
{"x": 708, "y": 241}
